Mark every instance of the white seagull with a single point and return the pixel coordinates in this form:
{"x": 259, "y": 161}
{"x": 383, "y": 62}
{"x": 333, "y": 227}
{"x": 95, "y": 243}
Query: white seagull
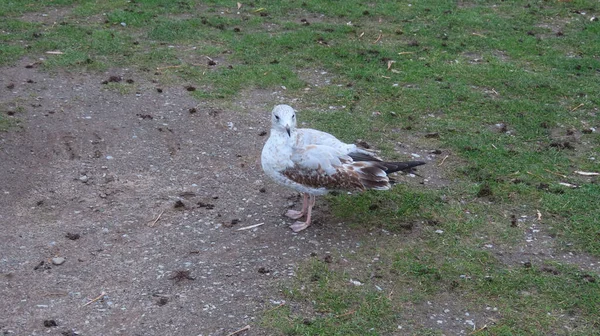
{"x": 314, "y": 163}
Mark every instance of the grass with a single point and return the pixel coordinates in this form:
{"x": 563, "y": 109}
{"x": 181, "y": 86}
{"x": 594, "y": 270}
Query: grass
{"x": 511, "y": 88}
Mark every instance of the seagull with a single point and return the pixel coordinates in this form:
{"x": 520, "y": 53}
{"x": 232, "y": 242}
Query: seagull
{"x": 314, "y": 162}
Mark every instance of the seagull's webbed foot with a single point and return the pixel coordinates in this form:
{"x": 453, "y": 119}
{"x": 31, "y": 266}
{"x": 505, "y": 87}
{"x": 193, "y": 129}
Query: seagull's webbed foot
{"x": 294, "y": 214}
{"x": 299, "y": 226}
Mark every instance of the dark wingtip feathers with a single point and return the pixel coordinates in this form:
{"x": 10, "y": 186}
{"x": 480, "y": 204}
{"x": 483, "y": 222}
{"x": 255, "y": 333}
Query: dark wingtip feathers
{"x": 406, "y": 167}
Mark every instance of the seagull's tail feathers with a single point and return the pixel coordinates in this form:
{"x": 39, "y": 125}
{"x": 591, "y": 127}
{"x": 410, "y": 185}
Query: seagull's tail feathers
{"x": 374, "y": 175}
{"x": 371, "y": 175}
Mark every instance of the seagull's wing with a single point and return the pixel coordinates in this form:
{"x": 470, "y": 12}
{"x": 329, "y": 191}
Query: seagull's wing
{"x": 320, "y": 166}
{"x": 309, "y": 136}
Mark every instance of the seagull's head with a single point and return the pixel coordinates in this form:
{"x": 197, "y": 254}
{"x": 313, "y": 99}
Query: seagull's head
{"x": 283, "y": 119}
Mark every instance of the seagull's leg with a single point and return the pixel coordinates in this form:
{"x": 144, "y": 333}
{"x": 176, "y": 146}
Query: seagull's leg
{"x": 299, "y": 226}
{"x": 295, "y": 214}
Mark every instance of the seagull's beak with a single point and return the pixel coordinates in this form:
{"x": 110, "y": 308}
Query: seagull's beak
{"x": 287, "y": 129}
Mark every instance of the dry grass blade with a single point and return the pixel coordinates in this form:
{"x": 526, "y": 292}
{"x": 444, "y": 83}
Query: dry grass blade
{"x": 555, "y": 173}
{"x": 378, "y": 38}
{"x": 586, "y": 173}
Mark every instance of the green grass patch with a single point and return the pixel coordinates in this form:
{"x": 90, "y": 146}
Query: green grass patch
{"x": 511, "y": 88}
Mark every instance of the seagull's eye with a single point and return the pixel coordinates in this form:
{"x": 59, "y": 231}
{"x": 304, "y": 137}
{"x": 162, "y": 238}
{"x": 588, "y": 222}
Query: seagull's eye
{"x": 277, "y": 118}
{"x": 293, "y": 116}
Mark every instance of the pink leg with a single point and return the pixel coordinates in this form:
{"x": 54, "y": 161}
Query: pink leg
{"x": 299, "y": 226}
{"x": 294, "y": 214}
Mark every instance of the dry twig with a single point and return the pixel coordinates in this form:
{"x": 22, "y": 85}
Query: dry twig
{"x": 156, "y": 220}
{"x": 278, "y": 306}
{"x": 443, "y": 160}
{"x": 170, "y": 67}
{"x": 576, "y": 107}
{"x": 250, "y": 227}
{"x": 95, "y": 299}
{"x": 346, "y": 314}
{"x": 539, "y": 215}
{"x": 239, "y": 331}
{"x": 586, "y": 173}
{"x": 478, "y": 330}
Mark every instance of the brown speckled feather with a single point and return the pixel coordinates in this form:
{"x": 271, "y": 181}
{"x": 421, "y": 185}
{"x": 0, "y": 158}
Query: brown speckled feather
{"x": 352, "y": 176}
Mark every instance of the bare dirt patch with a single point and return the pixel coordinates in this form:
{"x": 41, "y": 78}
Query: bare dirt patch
{"x": 102, "y": 166}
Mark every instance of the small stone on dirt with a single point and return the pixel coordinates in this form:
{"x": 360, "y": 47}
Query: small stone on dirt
{"x": 162, "y": 301}
{"x": 263, "y": 270}
{"x": 190, "y": 88}
{"x": 192, "y": 110}
{"x": 115, "y": 79}
{"x": 58, "y": 260}
{"x": 208, "y": 206}
{"x": 73, "y": 236}
{"x": 84, "y": 178}
{"x": 513, "y": 221}
{"x": 159, "y": 90}
{"x": 262, "y": 190}
{"x": 178, "y": 204}
{"x": 328, "y": 259}
{"x": 10, "y": 86}
{"x": 550, "y": 270}
{"x": 145, "y": 116}
{"x": 484, "y": 191}
{"x": 587, "y": 131}
{"x": 262, "y": 133}
{"x": 363, "y": 144}
{"x": 69, "y": 333}
{"x": 589, "y": 278}
{"x": 41, "y": 265}
{"x": 433, "y": 135}
{"x": 50, "y": 323}
{"x": 181, "y": 275}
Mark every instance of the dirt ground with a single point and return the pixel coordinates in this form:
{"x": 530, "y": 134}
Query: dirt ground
{"x": 85, "y": 179}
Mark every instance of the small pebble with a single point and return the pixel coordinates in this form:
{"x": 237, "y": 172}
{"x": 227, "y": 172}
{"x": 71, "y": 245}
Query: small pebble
{"x": 58, "y": 260}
